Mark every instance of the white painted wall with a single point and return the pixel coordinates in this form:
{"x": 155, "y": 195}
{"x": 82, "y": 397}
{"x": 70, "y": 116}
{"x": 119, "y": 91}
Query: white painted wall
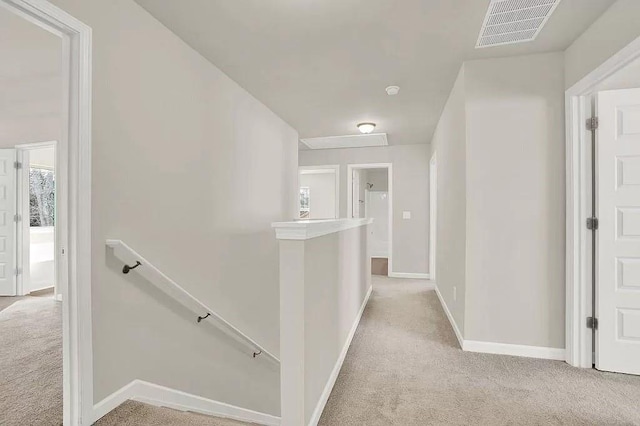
{"x": 616, "y": 28}
{"x": 410, "y": 192}
{"x": 324, "y": 282}
{"x": 501, "y": 201}
{"x": 322, "y": 194}
{"x": 30, "y": 82}
{"x": 449, "y": 141}
{"x": 626, "y": 78}
{"x": 41, "y": 258}
{"x": 190, "y": 170}
{"x": 515, "y": 200}
{"x": 379, "y": 179}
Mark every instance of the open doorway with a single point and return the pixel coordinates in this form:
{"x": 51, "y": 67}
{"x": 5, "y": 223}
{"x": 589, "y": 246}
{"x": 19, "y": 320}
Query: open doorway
{"x": 33, "y": 106}
{"x": 433, "y": 214}
{"x": 369, "y": 189}
{"x": 603, "y": 245}
{"x": 36, "y": 228}
{"x": 319, "y": 192}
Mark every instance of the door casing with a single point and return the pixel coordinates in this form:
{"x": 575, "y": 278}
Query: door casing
{"x": 578, "y": 108}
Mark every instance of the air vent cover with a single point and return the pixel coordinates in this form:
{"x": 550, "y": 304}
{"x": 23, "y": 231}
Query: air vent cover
{"x": 514, "y": 21}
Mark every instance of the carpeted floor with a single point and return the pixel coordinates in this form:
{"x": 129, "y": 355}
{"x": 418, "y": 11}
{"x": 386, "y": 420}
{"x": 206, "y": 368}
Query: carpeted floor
{"x": 31, "y": 362}
{"x": 405, "y": 368}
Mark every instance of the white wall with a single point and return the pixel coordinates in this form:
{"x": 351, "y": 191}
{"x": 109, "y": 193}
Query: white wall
{"x": 410, "y": 193}
{"x": 515, "y": 209}
{"x": 30, "y": 82}
{"x": 322, "y": 194}
{"x": 626, "y": 78}
{"x": 324, "y": 282}
{"x": 379, "y": 179}
{"x": 616, "y": 28}
{"x": 449, "y": 142}
{"x": 41, "y": 258}
{"x": 190, "y": 170}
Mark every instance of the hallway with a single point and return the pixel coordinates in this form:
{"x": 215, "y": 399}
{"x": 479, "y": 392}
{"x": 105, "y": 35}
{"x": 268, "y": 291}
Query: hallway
{"x": 405, "y": 368}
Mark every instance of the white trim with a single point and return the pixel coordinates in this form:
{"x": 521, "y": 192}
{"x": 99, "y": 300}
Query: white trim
{"x": 578, "y": 276}
{"x": 411, "y": 275}
{"x": 452, "y": 320}
{"x": 499, "y": 348}
{"x": 332, "y": 168}
{"x": 389, "y": 167}
{"x": 161, "y": 396}
{"x": 324, "y": 397}
{"x": 186, "y": 299}
{"x": 307, "y": 229}
{"x": 75, "y": 145}
{"x": 433, "y": 214}
{"x": 514, "y": 350}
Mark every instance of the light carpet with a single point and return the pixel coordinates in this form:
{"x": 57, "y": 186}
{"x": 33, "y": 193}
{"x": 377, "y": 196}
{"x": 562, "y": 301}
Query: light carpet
{"x": 405, "y": 368}
{"x": 31, "y": 362}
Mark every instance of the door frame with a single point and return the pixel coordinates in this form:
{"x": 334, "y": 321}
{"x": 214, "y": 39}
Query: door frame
{"x": 578, "y": 342}
{"x": 75, "y": 147}
{"x": 433, "y": 214}
{"x": 389, "y": 167}
{"x": 60, "y": 227}
{"x": 331, "y": 168}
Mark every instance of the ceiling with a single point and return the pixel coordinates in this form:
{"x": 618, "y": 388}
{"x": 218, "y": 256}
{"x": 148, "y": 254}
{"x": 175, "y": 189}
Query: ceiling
{"x": 323, "y": 65}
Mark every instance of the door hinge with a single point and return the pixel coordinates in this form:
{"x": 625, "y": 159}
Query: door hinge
{"x": 18, "y": 271}
{"x": 592, "y": 123}
{"x": 17, "y": 165}
{"x": 17, "y": 218}
{"x": 592, "y": 223}
{"x": 592, "y": 323}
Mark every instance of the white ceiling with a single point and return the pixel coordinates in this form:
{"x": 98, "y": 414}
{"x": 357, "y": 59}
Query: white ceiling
{"x": 323, "y": 65}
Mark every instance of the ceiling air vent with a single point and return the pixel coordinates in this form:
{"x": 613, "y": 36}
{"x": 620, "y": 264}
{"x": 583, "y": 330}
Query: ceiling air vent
{"x": 514, "y": 21}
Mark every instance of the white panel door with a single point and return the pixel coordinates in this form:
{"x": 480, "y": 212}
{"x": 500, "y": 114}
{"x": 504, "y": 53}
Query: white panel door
{"x": 618, "y": 253}
{"x": 7, "y": 224}
{"x": 378, "y": 209}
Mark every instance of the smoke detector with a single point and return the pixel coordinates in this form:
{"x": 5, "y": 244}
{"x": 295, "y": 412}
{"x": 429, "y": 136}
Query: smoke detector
{"x": 392, "y": 90}
{"x": 514, "y": 21}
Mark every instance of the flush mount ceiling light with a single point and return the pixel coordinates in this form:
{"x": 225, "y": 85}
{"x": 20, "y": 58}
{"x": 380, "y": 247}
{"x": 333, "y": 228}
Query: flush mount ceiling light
{"x": 392, "y": 90}
{"x": 366, "y": 128}
{"x": 514, "y": 21}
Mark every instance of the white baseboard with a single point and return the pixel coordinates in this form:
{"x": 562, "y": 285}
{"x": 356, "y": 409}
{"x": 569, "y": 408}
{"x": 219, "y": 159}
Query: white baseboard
{"x": 112, "y": 401}
{"x": 161, "y": 396}
{"x": 412, "y": 275}
{"x": 500, "y": 348}
{"x": 454, "y": 325}
{"x": 315, "y": 417}
{"x": 514, "y": 350}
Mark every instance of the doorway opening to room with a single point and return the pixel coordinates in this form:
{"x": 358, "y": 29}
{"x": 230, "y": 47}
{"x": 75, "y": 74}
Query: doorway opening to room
{"x": 319, "y": 192}
{"x": 45, "y": 215}
{"x": 370, "y": 195}
{"x": 603, "y": 216}
{"x": 36, "y": 225}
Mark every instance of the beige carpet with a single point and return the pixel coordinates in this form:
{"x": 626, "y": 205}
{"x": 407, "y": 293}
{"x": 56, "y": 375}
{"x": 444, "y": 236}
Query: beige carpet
{"x": 133, "y": 413}
{"x": 405, "y": 368}
{"x": 31, "y": 362}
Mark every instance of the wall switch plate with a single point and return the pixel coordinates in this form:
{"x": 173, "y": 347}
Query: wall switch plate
{"x": 406, "y": 215}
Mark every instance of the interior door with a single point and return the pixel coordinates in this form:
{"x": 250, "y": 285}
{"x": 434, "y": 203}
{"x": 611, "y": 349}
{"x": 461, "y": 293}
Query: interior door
{"x": 8, "y": 207}
{"x": 618, "y": 246}
{"x": 378, "y": 209}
